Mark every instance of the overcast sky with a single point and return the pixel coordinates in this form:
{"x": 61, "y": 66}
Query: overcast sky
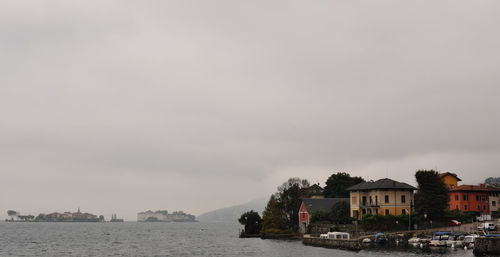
{"x": 125, "y": 106}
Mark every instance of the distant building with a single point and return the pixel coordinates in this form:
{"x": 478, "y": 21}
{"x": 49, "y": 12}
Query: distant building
{"x": 384, "y": 196}
{"x": 494, "y": 199}
{"x": 315, "y": 191}
{"x": 470, "y": 198}
{"x": 311, "y": 205}
{"x": 450, "y": 179}
{"x": 164, "y": 216}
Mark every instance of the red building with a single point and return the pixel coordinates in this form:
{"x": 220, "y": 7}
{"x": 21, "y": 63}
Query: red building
{"x": 311, "y": 205}
{"x": 470, "y": 198}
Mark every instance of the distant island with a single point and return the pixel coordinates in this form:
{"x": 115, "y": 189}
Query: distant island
{"x": 164, "y": 216}
{"x": 78, "y": 216}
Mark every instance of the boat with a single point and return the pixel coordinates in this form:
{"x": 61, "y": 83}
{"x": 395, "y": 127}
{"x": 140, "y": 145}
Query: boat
{"x": 455, "y": 241}
{"x": 469, "y": 241}
{"x": 335, "y": 235}
{"x": 439, "y": 239}
{"x": 380, "y": 238}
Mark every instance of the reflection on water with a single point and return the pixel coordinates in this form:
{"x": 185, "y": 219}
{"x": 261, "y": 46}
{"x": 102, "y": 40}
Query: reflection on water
{"x": 160, "y": 239}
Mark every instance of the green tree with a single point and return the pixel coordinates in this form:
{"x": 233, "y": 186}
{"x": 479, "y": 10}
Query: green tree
{"x": 337, "y": 184}
{"x": 432, "y": 195}
{"x": 340, "y": 213}
{"x": 274, "y": 217}
{"x": 290, "y": 195}
{"x": 252, "y": 222}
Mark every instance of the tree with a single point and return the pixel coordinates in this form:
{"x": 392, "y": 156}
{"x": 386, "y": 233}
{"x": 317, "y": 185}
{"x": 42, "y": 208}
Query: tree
{"x": 12, "y": 213}
{"x": 337, "y": 184}
{"x": 432, "y": 195}
{"x": 252, "y": 222}
{"x": 340, "y": 213}
{"x": 290, "y": 196}
{"x": 274, "y": 216}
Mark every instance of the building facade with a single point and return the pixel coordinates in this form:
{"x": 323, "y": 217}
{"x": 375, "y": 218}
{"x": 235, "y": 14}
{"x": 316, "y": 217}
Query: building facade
{"x": 311, "y": 205}
{"x": 384, "y": 196}
{"x": 450, "y": 179}
{"x": 470, "y": 198}
{"x": 494, "y": 199}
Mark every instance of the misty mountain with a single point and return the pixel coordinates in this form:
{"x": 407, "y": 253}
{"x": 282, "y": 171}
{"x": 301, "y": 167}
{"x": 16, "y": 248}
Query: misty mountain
{"x": 232, "y": 213}
{"x": 492, "y": 181}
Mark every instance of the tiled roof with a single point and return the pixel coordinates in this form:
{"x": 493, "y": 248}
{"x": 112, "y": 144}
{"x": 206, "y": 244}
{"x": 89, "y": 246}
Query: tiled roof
{"x": 384, "y": 183}
{"x": 317, "y": 204}
{"x": 470, "y": 188}
{"x": 444, "y": 174}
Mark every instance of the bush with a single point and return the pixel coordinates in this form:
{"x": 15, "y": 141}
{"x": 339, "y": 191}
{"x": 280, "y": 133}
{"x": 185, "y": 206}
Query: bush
{"x": 385, "y": 222}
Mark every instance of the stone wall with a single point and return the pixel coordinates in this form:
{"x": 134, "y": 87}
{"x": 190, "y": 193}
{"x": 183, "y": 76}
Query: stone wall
{"x": 487, "y": 246}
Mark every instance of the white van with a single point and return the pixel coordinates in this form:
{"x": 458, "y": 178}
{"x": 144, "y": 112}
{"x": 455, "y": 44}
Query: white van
{"x": 486, "y": 226}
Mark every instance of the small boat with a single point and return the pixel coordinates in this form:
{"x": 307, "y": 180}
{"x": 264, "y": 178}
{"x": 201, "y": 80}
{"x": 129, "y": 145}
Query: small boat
{"x": 455, "y": 241}
{"x": 469, "y": 241}
{"x": 338, "y": 235}
{"x": 366, "y": 241}
{"x": 380, "y": 238}
{"x": 439, "y": 239}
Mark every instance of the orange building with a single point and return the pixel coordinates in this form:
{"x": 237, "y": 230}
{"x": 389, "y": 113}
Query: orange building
{"x": 470, "y": 198}
{"x": 450, "y": 179}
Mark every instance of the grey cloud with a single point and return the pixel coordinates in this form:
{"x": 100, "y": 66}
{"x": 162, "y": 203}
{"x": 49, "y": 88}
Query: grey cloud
{"x": 238, "y": 90}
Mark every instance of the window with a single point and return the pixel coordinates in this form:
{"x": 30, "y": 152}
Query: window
{"x": 376, "y": 211}
{"x": 403, "y": 211}
{"x": 465, "y": 207}
{"x": 465, "y": 197}
{"x": 403, "y": 198}
{"x": 478, "y": 198}
{"x": 386, "y": 199}
{"x": 493, "y": 203}
{"x": 456, "y": 207}
{"x": 355, "y": 214}
{"x": 387, "y": 212}
{"x": 479, "y": 207}
{"x": 369, "y": 211}
{"x": 484, "y": 207}
{"x": 456, "y": 197}
{"x": 364, "y": 211}
{"x": 371, "y": 199}
{"x": 364, "y": 200}
{"x": 376, "y": 200}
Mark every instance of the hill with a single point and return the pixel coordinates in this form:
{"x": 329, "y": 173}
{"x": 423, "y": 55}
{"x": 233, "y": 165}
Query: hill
{"x": 232, "y": 213}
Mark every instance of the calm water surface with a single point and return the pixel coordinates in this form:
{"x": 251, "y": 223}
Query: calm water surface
{"x": 157, "y": 239}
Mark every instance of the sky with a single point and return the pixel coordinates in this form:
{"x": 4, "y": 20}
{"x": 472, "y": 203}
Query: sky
{"x": 126, "y": 106}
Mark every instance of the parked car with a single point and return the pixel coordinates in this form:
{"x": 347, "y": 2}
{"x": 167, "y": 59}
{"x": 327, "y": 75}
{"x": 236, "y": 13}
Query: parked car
{"x": 486, "y": 226}
{"x": 454, "y": 223}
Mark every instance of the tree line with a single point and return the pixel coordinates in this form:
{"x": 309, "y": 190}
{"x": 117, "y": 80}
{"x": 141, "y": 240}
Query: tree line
{"x": 281, "y": 212}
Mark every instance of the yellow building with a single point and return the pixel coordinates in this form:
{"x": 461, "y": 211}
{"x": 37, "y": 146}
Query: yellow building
{"x": 384, "y": 196}
{"x": 450, "y": 179}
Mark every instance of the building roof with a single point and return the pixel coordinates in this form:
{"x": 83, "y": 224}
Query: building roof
{"x": 384, "y": 183}
{"x": 315, "y": 189}
{"x": 318, "y": 204}
{"x": 444, "y": 174}
{"x": 471, "y": 188}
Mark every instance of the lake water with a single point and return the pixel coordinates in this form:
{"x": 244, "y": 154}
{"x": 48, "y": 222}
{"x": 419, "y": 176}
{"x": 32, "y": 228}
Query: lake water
{"x": 157, "y": 239}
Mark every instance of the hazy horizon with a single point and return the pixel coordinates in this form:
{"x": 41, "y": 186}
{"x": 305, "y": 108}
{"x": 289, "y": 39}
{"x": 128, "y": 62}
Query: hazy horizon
{"x": 122, "y": 106}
